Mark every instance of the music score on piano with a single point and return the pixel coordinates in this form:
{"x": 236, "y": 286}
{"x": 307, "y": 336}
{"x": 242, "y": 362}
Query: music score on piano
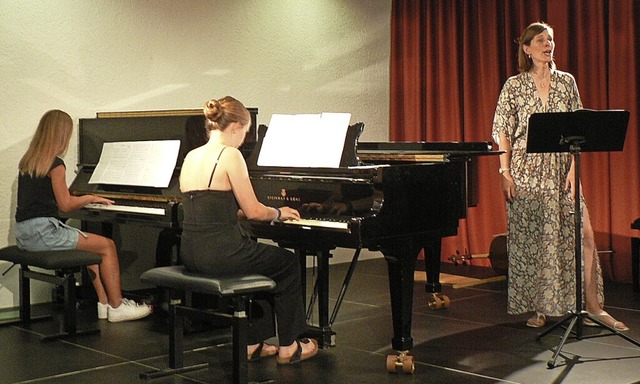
{"x": 127, "y": 209}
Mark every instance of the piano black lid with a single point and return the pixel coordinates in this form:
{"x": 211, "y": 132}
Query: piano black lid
{"x": 424, "y": 147}
{"x": 96, "y": 131}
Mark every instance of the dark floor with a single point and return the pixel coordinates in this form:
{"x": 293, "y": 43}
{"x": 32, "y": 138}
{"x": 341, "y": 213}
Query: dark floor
{"x": 473, "y": 341}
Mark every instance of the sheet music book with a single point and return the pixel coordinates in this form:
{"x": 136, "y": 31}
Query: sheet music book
{"x": 137, "y": 163}
{"x": 304, "y": 140}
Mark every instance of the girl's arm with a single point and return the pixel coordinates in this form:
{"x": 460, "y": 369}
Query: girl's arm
{"x": 66, "y": 202}
{"x": 252, "y": 209}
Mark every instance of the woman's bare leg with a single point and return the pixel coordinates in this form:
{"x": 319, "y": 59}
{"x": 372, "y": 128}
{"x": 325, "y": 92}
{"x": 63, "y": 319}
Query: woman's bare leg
{"x": 590, "y": 275}
{"x": 94, "y": 274}
{"x": 107, "y": 278}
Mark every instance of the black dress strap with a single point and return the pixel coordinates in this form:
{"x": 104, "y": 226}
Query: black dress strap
{"x": 215, "y": 165}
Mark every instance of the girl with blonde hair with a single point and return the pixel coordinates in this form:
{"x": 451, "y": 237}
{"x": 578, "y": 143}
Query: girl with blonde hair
{"x": 43, "y": 192}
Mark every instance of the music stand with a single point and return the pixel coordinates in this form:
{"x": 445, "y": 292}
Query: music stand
{"x": 576, "y": 132}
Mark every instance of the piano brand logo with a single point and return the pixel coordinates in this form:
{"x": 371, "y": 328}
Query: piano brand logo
{"x": 283, "y": 197}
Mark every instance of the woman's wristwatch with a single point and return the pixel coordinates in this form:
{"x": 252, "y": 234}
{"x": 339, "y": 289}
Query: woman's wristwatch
{"x": 503, "y": 170}
{"x": 277, "y": 218}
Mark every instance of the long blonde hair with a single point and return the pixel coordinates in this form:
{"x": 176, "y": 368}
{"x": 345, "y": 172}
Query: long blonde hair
{"x": 50, "y": 140}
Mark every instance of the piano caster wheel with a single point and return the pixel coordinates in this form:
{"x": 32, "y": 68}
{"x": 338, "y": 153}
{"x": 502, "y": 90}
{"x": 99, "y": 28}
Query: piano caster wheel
{"x": 402, "y": 363}
{"x": 438, "y": 301}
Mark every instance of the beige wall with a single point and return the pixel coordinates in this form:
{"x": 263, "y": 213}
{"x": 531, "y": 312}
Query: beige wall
{"x": 88, "y": 56}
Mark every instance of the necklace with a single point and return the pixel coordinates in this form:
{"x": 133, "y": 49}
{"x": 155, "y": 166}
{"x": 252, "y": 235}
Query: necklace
{"x": 541, "y": 81}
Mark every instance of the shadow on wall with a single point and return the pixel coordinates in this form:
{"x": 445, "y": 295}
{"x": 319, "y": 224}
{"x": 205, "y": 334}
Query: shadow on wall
{"x": 8, "y": 273}
{"x": 9, "y": 290}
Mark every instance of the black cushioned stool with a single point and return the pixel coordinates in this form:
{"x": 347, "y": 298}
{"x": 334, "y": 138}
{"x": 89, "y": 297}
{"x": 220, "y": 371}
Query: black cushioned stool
{"x": 238, "y": 288}
{"x": 66, "y": 263}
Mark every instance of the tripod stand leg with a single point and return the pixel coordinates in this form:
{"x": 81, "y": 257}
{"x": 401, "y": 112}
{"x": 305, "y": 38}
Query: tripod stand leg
{"x": 552, "y": 363}
{"x": 553, "y": 327}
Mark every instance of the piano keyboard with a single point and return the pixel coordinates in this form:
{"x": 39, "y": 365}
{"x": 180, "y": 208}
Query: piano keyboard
{"x": 127, "y": 209}
{"x": 332, "y": 224}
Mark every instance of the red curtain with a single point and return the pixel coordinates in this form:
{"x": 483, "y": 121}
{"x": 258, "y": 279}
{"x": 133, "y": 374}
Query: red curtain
{"x": 449, "y": 60}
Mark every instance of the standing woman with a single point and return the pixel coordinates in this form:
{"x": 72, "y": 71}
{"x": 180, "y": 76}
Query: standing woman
{"x": 42, "y": 192}
{"x": 216, "y": 190}
{"x": 539, "y": 190}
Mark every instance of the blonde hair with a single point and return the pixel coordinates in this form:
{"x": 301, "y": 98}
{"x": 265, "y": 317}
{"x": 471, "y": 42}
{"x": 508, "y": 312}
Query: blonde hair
{"x": 50, "y": 140}
{"x": 534, "y": 29}
{"x": 221, "y": 113}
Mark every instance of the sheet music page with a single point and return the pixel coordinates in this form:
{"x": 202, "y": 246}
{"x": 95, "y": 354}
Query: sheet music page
{"x": 305, "y": 140}
{"x": 137, "y": 163}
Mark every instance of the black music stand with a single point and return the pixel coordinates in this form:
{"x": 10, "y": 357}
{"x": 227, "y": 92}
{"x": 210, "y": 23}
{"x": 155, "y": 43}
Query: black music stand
{"x": 575, "y": 132}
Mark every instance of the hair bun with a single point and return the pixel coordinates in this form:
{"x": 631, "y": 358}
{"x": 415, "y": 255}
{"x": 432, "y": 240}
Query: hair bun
{"x": 212, "y": 110}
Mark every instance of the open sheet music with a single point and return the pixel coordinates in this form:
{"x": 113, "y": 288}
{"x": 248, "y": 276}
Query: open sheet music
{"x": 304, "y": 140}
{"x": 137, "y": 163}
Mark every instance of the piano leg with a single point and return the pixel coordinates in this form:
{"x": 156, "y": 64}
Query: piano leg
{"x": 432, "y": 250}
{"x": 401, "y": 262}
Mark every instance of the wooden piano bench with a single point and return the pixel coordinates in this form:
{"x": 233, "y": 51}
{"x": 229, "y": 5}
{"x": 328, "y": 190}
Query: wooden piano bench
{"x": 239, "y": 289}
{"x": 66, "y": 264}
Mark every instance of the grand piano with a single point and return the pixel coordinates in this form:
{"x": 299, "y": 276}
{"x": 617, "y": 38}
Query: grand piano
{"x": 397, "y": 198}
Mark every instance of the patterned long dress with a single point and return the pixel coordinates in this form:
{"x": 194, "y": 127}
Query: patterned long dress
{"x": 541, "y": 232}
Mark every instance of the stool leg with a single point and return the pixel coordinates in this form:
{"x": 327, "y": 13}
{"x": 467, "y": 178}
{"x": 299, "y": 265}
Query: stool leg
{"x": 240, "y": 340}
{"x": 25, "y": 295}
{"x": 176, "y": 332}
{"x": 177, "y": 314}
{"x": 70, "y": 303}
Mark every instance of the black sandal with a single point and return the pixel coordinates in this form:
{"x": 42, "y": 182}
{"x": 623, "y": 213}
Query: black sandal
{"x": 298, "y": 356}
{"x": 259, "y": 352}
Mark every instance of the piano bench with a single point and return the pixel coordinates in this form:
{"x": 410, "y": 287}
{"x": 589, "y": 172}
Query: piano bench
{"x": 239, "y": 289}
{"x": 66, "y": 264}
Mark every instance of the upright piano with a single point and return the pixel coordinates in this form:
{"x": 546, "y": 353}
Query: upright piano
{"x": 157, "y": 208}
{"x": 396, "y": 198}
{"x": 135, "y": 204}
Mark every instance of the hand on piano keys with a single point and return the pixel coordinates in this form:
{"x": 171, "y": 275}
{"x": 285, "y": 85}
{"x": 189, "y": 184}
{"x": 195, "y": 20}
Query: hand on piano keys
{"x": 318, "y": 223}
{"x": 95, "y": 199}
{"x": 323, "y": 216}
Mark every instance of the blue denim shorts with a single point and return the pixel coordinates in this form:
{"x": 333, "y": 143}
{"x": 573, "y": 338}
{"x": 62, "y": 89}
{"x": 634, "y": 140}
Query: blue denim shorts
{"x": 46, "y": 234}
